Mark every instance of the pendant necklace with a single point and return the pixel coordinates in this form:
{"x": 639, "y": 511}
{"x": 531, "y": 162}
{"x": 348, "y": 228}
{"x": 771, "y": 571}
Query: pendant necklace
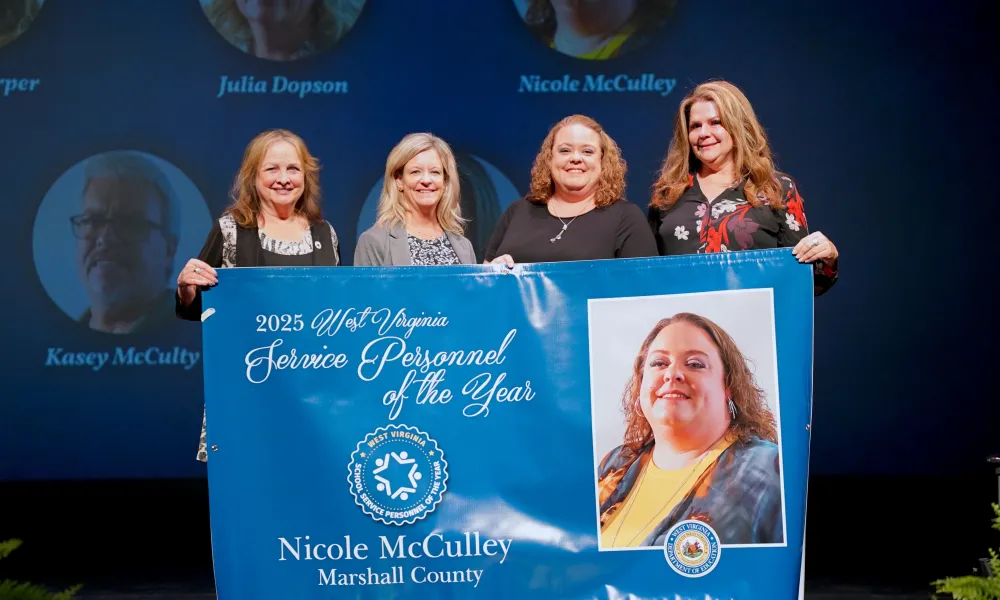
{"x": 564, "y": 227}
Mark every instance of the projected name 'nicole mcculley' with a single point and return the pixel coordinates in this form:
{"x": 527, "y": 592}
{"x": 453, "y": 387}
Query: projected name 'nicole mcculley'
{"x": 621, "y": 83}
{"x": 279, "y": 84}
{"x": 434, "y": 546}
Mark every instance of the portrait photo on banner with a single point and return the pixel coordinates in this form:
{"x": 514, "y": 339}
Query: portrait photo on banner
{"x": 283, "y": 30}
{"x": 597, "y": 29}
{"x": 685, "y": 418}
{"x": 110, "y": 237}
{"x": 16, "y": 16}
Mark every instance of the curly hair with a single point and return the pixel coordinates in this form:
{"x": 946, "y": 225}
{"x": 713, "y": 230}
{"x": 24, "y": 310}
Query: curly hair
{"x": 752, "y": 160}
{"x": 244, "y": 197}
{"x": 753, "y": 417}
{"x": 611, "y": 187}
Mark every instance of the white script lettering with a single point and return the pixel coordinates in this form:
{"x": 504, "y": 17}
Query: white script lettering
{"x": 265, "y": 358}
{"x": 385, "y": 350}
{"x": 480, "y": 390}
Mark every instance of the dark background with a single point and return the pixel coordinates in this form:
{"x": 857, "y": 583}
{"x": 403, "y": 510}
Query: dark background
{"x": 882, "y": 112}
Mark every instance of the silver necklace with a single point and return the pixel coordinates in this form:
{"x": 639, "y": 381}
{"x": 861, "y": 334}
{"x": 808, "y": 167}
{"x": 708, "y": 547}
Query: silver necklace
{"x": 564, "y": 227}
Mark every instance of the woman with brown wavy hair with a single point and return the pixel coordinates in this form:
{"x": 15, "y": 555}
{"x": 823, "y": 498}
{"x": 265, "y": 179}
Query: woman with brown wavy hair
{"x": 274, "y": 220}
{"x": 700, "y": 443}
{"x": 576, "y": 209}
{"x": 719, "y": 190}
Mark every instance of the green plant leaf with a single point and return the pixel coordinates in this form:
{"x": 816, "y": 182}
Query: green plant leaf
{"x": 8, "y": 546}
{"x": 14, "y": 590}
{"x": 972, "y": 587}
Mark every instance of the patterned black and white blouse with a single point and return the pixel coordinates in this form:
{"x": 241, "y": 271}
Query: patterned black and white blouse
{"x": 277, "y": 253}
{"x": 432, "y": 252}
{"x": 292, "y": 253}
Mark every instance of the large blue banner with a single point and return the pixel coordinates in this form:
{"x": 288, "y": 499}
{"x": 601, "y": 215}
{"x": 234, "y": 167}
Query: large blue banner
{"x": 604, "y": 429}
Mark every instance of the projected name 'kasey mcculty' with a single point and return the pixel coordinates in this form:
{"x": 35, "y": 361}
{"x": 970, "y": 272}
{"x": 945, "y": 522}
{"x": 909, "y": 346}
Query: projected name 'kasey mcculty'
{"x": 434, "y": 546}
{"x": 128, "y": 357}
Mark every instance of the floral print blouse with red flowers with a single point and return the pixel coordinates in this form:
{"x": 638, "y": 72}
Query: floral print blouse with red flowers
{"x": 695, "y": 225}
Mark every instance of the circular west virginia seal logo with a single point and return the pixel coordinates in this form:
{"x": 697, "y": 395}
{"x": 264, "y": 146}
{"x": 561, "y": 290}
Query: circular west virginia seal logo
{"x": 692, "y": 548}
{"x": 397, "y": 474}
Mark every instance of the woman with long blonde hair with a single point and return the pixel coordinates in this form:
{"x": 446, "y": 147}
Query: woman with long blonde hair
{"x": 719, "y": 190}
{"x": 419, "y": 218}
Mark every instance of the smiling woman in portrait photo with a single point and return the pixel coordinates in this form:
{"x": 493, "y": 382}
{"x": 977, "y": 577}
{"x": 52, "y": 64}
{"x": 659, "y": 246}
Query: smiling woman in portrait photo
{"x": 596, "y": 29}
{"x": 282, "y": 30}
{"x": 700, "y": 443}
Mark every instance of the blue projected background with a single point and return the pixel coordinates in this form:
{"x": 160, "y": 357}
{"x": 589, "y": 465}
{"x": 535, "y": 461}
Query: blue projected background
{"x": 861, "y": 102}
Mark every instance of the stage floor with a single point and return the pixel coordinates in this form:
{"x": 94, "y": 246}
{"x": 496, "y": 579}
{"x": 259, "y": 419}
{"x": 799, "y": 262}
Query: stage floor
{"x": 201, "y": 592}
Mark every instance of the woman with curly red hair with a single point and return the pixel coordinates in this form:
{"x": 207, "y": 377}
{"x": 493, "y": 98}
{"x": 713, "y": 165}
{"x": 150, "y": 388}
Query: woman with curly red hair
{"x": 576, "y": 209}
{"x": 700, "y": 443}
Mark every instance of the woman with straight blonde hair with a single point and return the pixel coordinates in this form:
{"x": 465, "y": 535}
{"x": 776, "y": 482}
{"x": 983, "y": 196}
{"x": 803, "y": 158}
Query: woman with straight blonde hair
{"x": 719, "y": 190}
{"x": 419, "y": 218}
{"x": 274, "y": 220}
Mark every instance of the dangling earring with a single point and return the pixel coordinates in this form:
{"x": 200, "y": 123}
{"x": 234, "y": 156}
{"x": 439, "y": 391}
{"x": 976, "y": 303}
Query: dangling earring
{"x": 732, "y": 409}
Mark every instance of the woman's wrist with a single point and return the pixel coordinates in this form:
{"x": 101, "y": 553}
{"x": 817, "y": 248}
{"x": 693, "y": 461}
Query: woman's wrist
{"x": 186, "y": 294}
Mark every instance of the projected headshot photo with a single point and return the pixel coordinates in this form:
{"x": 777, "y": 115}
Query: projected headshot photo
{"x": 684, "y": 402}
{"x": 595, "y": 29}
{"x": 15, "y": 18}
{"x": 283, "y": 30}
{"x": 485, "y": 194}
{"x": 110, "y": 237}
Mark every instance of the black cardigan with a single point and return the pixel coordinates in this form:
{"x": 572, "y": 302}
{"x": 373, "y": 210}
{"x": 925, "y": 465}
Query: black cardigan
{"x": 249, "y": 254}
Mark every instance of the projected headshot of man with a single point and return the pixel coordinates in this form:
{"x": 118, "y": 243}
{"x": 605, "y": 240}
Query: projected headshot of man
{"x": 126, "y": 239}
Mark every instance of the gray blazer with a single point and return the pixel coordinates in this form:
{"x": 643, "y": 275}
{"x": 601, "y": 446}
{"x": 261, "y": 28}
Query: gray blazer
{"x": 378, "y": 247}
